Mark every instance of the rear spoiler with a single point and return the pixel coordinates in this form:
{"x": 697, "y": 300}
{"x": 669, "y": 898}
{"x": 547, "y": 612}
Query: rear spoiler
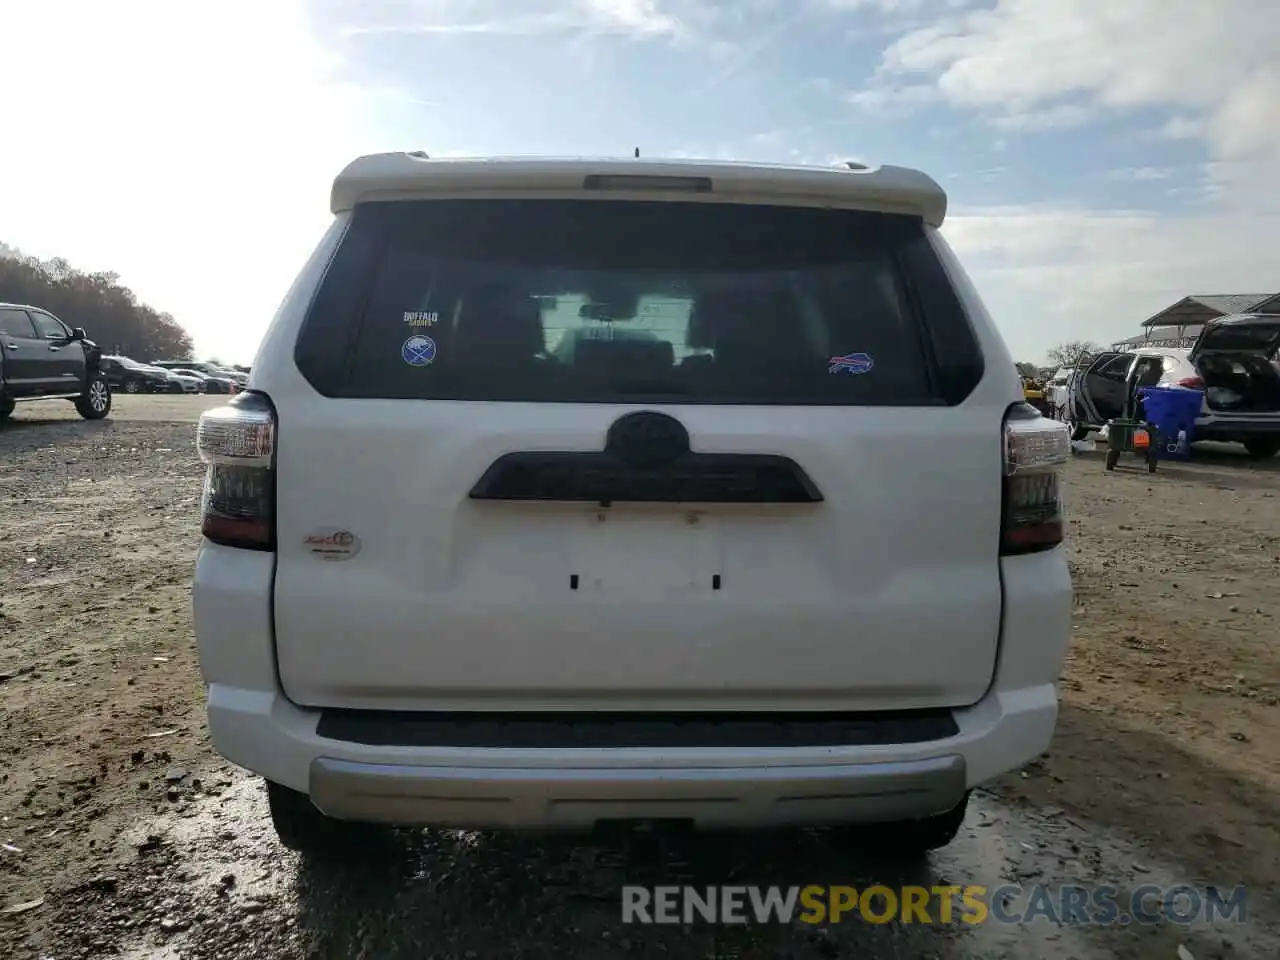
{"x": 409, "y": 176}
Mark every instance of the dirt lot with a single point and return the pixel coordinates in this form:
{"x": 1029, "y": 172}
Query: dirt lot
{"x": 122, "y": 835}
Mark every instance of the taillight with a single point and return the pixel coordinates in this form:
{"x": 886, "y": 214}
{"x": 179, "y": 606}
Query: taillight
{"x": 238, "y": 442}
{"x": 1035, "y": 449}
{"x": 1191, "y": 383}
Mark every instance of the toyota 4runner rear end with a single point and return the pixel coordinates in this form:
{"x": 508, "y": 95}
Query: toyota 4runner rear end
{"x": 569, "y": 492}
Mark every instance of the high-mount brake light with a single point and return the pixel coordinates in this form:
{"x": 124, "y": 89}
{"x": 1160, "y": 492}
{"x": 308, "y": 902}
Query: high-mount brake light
{"x": 638, "y": 181}
{"x": 1035, "y": 450}
{"x": 237, "y": 441}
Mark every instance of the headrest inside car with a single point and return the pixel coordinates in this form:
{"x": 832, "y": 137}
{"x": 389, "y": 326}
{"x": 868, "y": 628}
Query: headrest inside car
{"x": 632, "y": 354}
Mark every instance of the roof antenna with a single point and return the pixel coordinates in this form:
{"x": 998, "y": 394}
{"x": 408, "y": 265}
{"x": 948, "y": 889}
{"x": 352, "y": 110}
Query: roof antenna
{"x": 637, "y": 153}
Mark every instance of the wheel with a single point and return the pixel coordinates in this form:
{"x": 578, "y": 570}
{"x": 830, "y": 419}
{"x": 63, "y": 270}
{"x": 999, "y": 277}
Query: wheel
{"x": 6, "y": 408}
{"x": 1078, "y": 430}
{"x": 132, "y": 386}
{"x": 95, "y": 402}
{"x": 1113, "y": 457}
{"x": 300, "y": 826}
{"x": 905, "y": 838}
{"x": 1262, "y": 448}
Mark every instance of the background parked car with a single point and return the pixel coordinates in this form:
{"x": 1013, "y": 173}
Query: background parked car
{"x": 211, "y": 384}
{"x": 1055, "y": 393}
{"x": 208, "y": 369}
{"x": 1232, "y": 363}
{"x": 183, "y": 383}
{"x": 176, "y": 383}
{"x": 130, "y": 376}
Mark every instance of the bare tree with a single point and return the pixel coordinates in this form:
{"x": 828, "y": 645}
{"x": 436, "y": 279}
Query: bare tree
{"x": 1069, "y": 353}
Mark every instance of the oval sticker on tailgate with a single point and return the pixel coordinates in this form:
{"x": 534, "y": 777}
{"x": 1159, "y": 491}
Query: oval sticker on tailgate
{"x": 332, "y": 543}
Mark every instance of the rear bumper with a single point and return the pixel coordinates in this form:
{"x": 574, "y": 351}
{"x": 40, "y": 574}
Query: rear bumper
{"x": 1215, "y": 427}
{"x": 577, "y": 798}
{"x": 254, "y": 725}
{"x": 575, "y": 788}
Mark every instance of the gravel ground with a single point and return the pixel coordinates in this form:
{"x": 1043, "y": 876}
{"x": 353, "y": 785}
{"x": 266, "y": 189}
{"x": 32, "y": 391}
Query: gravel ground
{"x": 122, "y": 835}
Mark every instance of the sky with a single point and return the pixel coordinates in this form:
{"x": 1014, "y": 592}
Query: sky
{"x": 1102, "y": 159}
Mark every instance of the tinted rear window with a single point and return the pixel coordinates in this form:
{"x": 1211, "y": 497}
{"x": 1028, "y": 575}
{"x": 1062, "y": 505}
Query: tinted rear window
{"x": 1257, "y": 337}
{"x": 609, "y": 301}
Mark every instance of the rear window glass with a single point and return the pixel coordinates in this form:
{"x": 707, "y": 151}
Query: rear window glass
{"x": 1262, "y": 337}
{"x": 608, "y": 301}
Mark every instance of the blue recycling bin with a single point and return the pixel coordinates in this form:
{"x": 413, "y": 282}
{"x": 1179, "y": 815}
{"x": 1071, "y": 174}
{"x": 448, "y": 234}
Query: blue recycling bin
{"x": 1172, "y": 410}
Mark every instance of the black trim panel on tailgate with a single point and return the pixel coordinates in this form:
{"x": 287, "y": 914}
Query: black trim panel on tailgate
{"x": 596, "y": 730}
{"x": 604, "y": 478}
{"x": 646, "y": 459}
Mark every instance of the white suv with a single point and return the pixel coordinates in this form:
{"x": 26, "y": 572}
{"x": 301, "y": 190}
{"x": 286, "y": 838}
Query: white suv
{"x": 571, "y": 492}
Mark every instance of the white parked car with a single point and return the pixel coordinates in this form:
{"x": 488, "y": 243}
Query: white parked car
{"x": 201, "y": 369}
{"x": 1233, "y": 362}
{"x": 1056, "y": 392}
{"x": 794, "y": 558}
{"x": 186, "y": 384}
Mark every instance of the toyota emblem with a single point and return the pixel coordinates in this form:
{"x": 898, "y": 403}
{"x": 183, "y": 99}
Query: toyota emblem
{"x": 647, "y": 439}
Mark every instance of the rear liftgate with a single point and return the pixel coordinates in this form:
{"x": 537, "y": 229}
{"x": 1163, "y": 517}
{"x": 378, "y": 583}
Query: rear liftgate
{"x": 646, "y": 460}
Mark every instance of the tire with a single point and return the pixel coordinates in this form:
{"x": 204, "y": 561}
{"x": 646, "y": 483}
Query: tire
{"x": 1078, "y": 430}
{"x": 95, "y": 402}
{"x": 6, "y": 408}
{"x": 301, "y": 827}
{"x": 1113, "y": 457}
{"x": 132, "y": 386}
{"x": 905, "y": 838}
{"x": 1262, "y": 448}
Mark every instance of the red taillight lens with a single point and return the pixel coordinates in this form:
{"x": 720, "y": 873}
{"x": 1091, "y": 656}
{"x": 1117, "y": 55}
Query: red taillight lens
{"x": 238, "y": 441}
{"x": 1191, "y": 383}
{"x": 1035, "y": 450}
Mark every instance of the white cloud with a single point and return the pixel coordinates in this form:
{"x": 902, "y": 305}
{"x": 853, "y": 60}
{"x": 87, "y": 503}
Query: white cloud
{"x": 896, "y": 6}
{"x": 189, "y": 148}
{"x": 1213, "y": 66}
{"x": 897, "y": 99}
{"x": 639, "y": 18}
{"x": 1054, "y": 274}
{"x": 632, "y": 16}
{"x": 1057, "y": 116}
{"x": 1140, "y": 173}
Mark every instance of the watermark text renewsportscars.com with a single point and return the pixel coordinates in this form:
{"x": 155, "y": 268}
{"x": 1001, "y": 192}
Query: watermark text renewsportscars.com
{"x": 1067, "y": 904}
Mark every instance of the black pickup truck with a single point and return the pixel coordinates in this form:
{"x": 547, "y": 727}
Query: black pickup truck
{"x": 41, "y": 358}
